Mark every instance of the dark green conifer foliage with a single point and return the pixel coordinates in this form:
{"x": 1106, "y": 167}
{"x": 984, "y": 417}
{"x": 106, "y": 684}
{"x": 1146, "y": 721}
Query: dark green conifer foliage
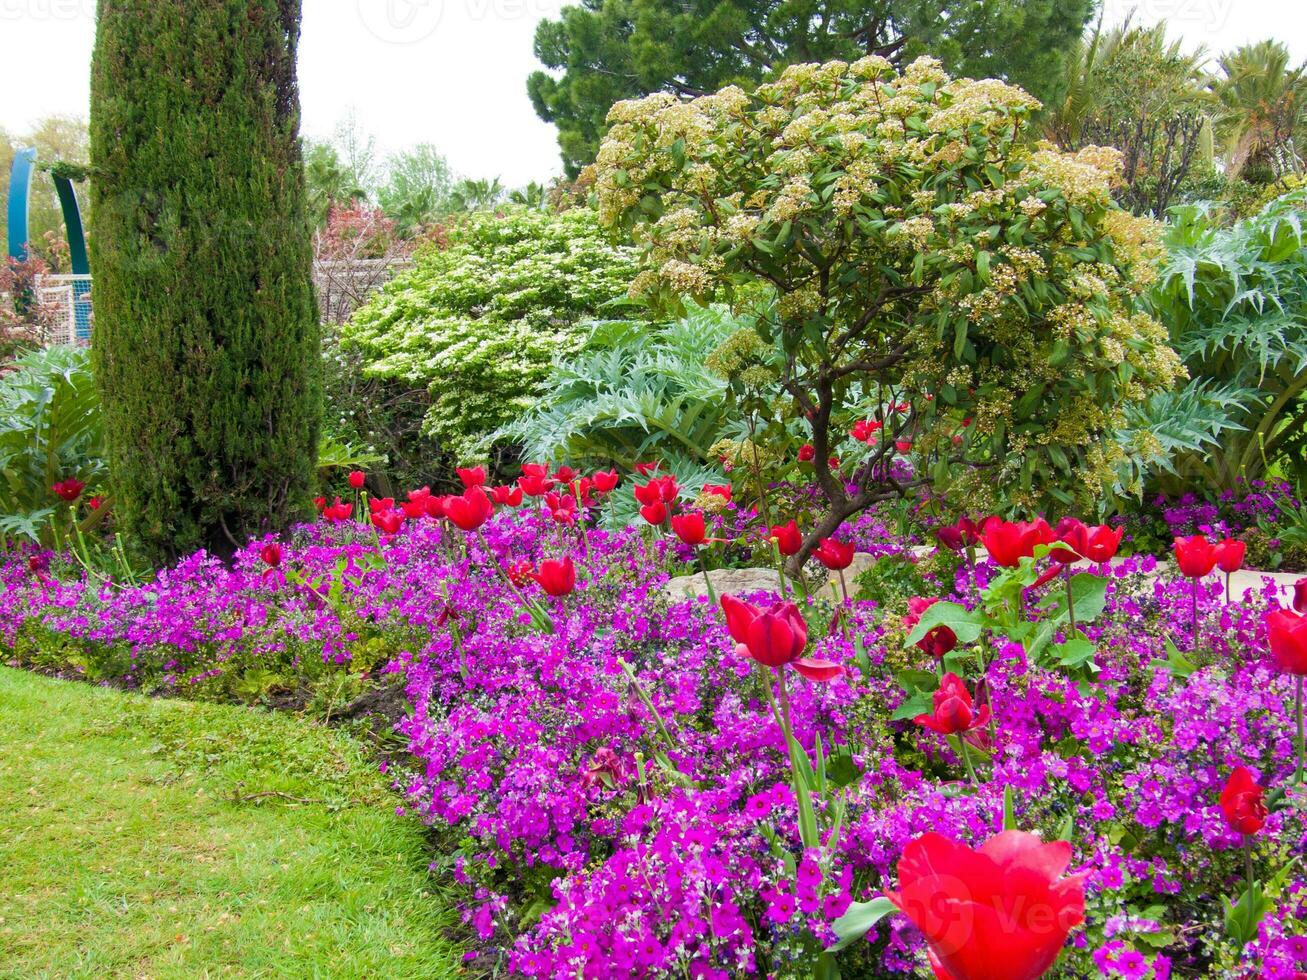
{"x": 206, "y": 342}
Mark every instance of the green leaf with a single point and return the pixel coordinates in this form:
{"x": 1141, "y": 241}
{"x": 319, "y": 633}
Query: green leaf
{"x": 1176, "y": 662}
{"x": 965, "y": 624}
{"x": 919, "y": 704}
{"x": 1009, "y": 809}
{"x": 913, "y": 681}
{"x": 860, "y": 918}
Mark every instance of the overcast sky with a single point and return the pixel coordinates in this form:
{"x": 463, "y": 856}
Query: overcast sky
{"x": 453, "y": 72}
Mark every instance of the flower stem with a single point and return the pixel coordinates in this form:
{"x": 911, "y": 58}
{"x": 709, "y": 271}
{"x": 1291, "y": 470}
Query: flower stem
{"x": 538, "y": 615}
{"x": 1195, "y": 612}
{"x": 1248, "y": 859}
{"x": 780, "y": 566}
{"x": 1070, "y": 600}
{"x": 1302, "y": 744}
{"x": 966, "y": 759}
{"x": 703, "y": 567}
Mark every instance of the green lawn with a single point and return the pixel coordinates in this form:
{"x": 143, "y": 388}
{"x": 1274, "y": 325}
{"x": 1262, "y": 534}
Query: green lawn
{"x": 124, "y": 851}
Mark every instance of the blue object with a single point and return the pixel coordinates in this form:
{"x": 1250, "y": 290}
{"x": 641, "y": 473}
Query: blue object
{"x": 20, "y": 194}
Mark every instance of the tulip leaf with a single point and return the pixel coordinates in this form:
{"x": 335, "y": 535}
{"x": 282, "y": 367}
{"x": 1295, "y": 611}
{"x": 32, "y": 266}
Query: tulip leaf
{"x": 1009, "y": 809}
{"x": 965, "y": 624}
{"x": 1176, "y": 662}
{"x": 921, "y": 703}
{"x": 860, "y": 918}
{"x": 1243, "y": 917}
{"x": 913, "y": 681}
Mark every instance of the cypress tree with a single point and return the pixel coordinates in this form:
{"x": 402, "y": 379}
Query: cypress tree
{"x": 206, "y": 337}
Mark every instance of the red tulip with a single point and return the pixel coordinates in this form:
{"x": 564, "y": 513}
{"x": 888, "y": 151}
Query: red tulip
{"x": 561, "y": 508}
{"x": 807, "y": 453}
{"x": 1287, "y": 632}
{"x": 472, "y": 477}
{"x": 319, "y": 503}
{"x": 954, "y": 710}
{"x": 557, "y": 578}
{"x": 963, "y": 533}
{"x": 436, "y": 507}
{"x": 95, "y": 503}
{"x": 720, "y": 490}
{"x": 388, "y": 521}
{"x": 660, "y": 488}
{"x": 690, "y": 528}
{"x": 378, "y": 504}
{"x": 1242, "y": 802}
{"x": 1195, "y": 556}
{"x": 470, "y": 510}
{"x": 565, "y": 474}
{"x": 69, "y": 489}
{"x": 655, "y": 513}
{"x": 835, "y": 555}
{"x": 1300, "y": 595}
{"x": 534, "y": 485}
{"x": 271, "y": 554}
{"x": 904, "y": 446}
{"x": 1098, "y": 544}
{"x": 1009, "y": 541}
{"x": 1002, "y": 912}
{"x": 357, "y": 479}
{"x": 606, "y": 481}
{"x": 415, "y": 508}
{"x": 507, "y": 496}
{"x": 1229, "y": 555}
{"x": 645, "y": 469}
{"x": 788, "y": 538}
{"x": 775, "y": 637}
{"x": 1064, "y": 550}
{"x": 739, "y": 614}
{"x": 939, "y": 641}
{"x": 535, "y": 469}
{"x": 337, "y": 512}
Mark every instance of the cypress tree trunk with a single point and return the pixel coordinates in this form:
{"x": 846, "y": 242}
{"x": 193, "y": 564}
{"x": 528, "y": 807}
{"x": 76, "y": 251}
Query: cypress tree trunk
{"x": 206, "y": 342}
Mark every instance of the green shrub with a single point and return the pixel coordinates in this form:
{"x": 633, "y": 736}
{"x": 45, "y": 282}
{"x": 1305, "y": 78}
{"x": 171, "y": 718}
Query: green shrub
{"x": 480, "y": 322}
{"x": 49, "y": 431}
{"x": 206, "y": 329}
{"x": 634, "y": 393}
{"x": 1235, "y": 301}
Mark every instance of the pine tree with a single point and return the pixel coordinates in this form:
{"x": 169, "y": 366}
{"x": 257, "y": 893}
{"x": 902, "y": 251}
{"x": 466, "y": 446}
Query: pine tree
{"x": 206, "y": 338}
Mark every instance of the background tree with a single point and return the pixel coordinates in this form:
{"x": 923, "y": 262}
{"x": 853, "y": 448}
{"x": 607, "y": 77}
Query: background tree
{"x": 329, "y": 183}
{"x": 933, "y": 270}
{"x": 608, "y": 50}
{"x": 476, "y": 194}
{"x": 1130, "y": 88}
{"x": 417, "y": 190}
{"x": 206, "y": 344}
{"x": 1262, "y": 111}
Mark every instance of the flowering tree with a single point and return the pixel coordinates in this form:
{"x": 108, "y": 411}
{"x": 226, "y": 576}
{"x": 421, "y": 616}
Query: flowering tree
{"x": 925, "y": 257}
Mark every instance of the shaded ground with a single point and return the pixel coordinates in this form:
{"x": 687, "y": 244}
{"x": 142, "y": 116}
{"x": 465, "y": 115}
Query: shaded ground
{"x": 143, "y": 838}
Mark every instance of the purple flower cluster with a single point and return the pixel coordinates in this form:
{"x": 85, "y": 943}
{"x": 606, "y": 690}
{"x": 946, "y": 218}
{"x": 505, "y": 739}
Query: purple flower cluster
{"x": 613, "y": 799}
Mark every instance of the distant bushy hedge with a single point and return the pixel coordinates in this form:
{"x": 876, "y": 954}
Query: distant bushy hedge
{"x": 479, "y": 322}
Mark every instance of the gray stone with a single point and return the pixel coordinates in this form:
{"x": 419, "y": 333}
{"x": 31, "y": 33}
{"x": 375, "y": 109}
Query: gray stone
{"x": 736, "y": 581}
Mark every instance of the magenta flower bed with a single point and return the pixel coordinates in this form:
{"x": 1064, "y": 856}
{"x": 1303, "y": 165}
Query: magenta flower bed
{"x": 594, "y": 837}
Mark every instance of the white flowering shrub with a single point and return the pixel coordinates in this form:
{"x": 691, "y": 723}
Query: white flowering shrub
{"x": 480, "y": 321}
{"x": 925, "y": 253}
